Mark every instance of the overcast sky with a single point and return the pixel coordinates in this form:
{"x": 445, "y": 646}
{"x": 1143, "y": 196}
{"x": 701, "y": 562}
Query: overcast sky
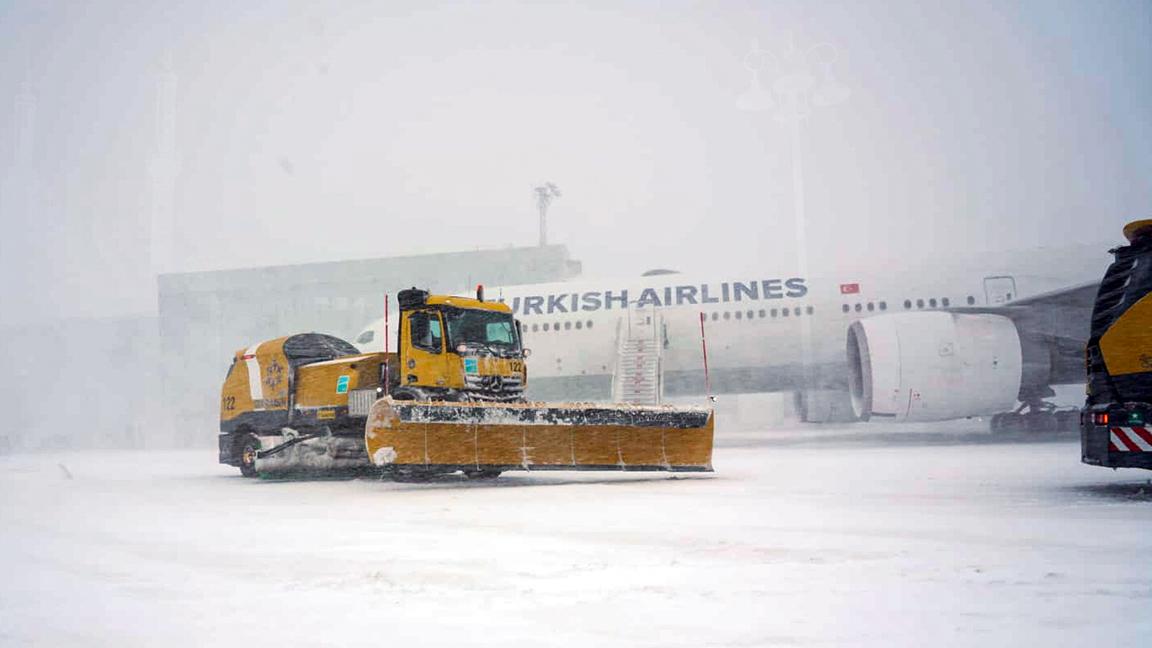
{"x": 140, "y": 135}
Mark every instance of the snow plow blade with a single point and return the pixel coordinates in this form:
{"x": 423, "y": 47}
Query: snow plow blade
{"x": 444, "y": 437}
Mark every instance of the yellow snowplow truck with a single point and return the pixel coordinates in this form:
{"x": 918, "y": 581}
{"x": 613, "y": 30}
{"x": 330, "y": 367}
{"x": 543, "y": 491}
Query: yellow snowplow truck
{"x": 449, "y": 399}
{"x": 1116, "y": 422}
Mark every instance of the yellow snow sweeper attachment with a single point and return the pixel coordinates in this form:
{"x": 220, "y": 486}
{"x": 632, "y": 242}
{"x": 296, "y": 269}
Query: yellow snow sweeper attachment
{"x": 483, "y": 439}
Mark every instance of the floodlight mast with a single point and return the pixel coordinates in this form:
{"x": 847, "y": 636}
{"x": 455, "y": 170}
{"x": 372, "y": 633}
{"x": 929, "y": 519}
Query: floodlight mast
{"x": 545, "y": 194}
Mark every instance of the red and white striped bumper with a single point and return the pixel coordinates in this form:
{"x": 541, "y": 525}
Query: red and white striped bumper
{"x": 1130, "y": 439}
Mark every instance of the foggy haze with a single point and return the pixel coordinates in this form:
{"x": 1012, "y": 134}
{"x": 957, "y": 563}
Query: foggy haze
{"x": 870, "y": 404}
{"x": 153, "y": 137}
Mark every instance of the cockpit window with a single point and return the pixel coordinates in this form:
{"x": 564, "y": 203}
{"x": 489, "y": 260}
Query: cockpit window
{"x": 366, "y": 337}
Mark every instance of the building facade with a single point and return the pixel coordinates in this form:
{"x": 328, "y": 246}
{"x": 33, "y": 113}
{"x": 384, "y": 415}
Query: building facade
{"x": 204, "y": 317}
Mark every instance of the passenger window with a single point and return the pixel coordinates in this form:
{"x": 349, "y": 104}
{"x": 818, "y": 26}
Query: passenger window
{"x": 579, "y": 325}
{"x": 883, "y": 305}
{"x": 871, "y": 307}
{"x": 763, "y": 314}
{"x": 773, "y": 312}
{"x": 715, "y": 316}
{"x": 809, "y": 310}
{"x": 932, "y": 302}
{"x": 739, "y": 315}
{"x": 545, "y": 326}
{"x": 796, "y": 311}
{"x": 784, "y": 312}
{"x": 858, "y": 308}
{"x": 919, "y": 303}
{"x": 844, "y": 308}
{"x": 945, "y": 302}
{"x": 971, "y": 300}
{"x": 727, "y": 315}
{"x": 589, "y": 323}
{"x": 426, "y": 332}
{"x": 535, "y": 327}
{"x": 567, "y": 326}
{"x": 907, "y": 304}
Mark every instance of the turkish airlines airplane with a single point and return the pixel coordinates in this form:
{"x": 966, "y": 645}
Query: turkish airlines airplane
{"x": 919, "y": 344}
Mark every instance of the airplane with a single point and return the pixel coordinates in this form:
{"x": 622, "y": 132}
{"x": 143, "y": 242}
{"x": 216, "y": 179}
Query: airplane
{"x": 987, "y": 336}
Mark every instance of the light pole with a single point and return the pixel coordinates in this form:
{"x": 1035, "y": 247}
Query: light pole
{"x": 800, "y": 81}
{"x": 545, "y": 194}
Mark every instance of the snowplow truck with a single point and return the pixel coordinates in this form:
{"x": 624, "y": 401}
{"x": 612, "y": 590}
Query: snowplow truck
{"x": 1115, "y": 426}
{"x": 450, "y": 398}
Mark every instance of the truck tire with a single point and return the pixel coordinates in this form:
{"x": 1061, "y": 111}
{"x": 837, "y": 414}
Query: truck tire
{"x": 249, "y": 444}
{"x": 411, "y": 475}
{"x": 484, "y": 473}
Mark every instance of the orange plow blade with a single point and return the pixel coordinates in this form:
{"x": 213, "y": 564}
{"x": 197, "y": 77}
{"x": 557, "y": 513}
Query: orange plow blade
{"x": 437, "y": 437}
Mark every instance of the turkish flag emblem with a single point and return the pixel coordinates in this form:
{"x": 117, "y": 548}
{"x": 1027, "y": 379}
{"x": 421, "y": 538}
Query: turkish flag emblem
{"x": 849, "y": 289}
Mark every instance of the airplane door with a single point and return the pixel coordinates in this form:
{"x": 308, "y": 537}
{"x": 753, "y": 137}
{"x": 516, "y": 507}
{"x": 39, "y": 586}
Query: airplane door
{"x": 999, "y": 289}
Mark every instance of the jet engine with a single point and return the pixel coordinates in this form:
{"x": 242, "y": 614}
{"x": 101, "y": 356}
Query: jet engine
{"x": 932, "y": 366}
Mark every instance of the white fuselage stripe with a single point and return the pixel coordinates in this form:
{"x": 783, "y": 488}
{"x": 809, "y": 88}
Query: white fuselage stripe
{"x": 255, "y": 386}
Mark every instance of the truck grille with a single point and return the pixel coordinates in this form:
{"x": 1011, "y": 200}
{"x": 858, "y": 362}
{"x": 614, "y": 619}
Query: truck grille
{"x": 360, "y": 401}
{"x": 497, "y": 386}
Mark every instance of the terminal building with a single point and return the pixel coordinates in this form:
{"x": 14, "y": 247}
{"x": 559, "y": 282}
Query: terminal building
{"x": 204, "y": 317}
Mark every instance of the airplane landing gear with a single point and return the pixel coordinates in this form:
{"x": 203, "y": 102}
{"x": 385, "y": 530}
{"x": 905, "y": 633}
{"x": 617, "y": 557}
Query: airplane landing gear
{"x": 1036, "y": 416}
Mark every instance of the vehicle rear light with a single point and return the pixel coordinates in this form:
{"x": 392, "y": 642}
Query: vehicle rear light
{"x": 1100, "y": 418}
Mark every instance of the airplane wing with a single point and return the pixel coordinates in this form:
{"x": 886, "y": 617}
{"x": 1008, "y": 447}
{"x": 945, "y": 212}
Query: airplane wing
{"x": 1060, "y": 320}
{"x": 1082, "y": 296}
{"x": 1063, "y": 313}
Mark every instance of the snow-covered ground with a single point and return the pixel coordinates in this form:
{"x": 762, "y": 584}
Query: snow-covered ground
{"x": 880, "y": 541}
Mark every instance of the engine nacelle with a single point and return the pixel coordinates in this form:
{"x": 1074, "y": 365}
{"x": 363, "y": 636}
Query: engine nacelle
{"x": 933, "y": 366}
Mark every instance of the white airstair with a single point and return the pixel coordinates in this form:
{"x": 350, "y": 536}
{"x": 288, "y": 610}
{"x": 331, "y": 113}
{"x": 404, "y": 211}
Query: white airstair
{"x": 638, "y": 376}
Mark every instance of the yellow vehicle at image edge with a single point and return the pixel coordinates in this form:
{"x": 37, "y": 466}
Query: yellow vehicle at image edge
{"x": 1115, "y": 427}
{"x": 449, "y": 399}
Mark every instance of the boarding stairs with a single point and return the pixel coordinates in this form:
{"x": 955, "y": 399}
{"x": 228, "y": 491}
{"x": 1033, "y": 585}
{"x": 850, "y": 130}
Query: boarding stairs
{"x": 638, "y": 377}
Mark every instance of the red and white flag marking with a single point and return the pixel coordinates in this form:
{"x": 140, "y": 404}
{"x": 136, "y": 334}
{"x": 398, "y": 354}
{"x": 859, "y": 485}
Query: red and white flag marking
{"x": 1130, "y": 439}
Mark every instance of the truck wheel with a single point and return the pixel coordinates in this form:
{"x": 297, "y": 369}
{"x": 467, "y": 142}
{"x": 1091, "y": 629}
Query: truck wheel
{"x": 249, "y": 444}
{"x": 410, "y": 475}
{"x": 486, "y": 473}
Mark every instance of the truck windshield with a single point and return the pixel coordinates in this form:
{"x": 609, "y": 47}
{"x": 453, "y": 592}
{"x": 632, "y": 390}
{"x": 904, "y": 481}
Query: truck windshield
{"x": 496, "y": 331}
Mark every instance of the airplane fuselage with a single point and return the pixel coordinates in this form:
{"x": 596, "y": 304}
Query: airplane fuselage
{"x": 765, "y": 332}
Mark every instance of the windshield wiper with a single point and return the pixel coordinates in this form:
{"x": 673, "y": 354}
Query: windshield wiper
{"x": 483, "y": 345}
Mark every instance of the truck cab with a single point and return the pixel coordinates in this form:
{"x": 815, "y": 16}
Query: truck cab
{"x": 457, "y": 348}
{"x": 302, "y": 400}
